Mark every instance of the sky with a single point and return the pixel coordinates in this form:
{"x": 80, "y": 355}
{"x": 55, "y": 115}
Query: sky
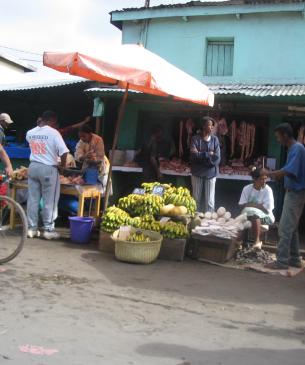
{"x": 58, "y": 25}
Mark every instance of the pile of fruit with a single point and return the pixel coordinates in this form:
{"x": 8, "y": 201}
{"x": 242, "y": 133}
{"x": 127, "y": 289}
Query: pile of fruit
{"x": 114, "y": 218}
{"x": 141, "y": 204}
{"x": 143, "y": 211}
{"x": 174, "y": 198}
{"x": 138, "y": 236}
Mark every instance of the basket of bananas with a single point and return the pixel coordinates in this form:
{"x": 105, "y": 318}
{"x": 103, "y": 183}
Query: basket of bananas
{"x": 136, "y": 245}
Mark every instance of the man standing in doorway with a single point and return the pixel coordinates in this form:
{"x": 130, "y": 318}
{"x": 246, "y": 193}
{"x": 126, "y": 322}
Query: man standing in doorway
{"x": 47, "y": 148}
{"x": 5, "y": 121}
{"x": 205, "y": 159}
{"x": 293, "y": 173}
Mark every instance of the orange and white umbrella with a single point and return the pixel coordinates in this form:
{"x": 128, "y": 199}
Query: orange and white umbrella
{"x": 134, "y": 65}
{"x": 131, "y": 67}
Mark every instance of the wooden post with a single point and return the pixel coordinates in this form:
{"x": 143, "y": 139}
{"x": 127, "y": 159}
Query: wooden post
{"x": 97, "y": 125}
{"x": 114, "y": 144}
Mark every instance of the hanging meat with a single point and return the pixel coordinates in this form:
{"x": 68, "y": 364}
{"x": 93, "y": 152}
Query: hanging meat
{"x": 252, "y": 137}
{"x": 180, "y": 139}
{"x": 232, "y": 135}
{"x": 242, "y": 140}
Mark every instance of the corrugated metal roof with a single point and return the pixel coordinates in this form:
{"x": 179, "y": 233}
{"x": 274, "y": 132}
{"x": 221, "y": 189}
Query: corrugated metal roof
{"x": 229, "y": 89}
{"x": 39, "y": 82}
{"x": 258, "y": 90}
{"x": 211, "y": 3}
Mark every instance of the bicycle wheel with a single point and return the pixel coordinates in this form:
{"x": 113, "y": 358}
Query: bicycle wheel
{"x": 12, "y": 236}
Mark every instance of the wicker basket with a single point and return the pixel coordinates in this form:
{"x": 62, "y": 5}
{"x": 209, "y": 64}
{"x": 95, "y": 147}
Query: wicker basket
{"x": 137, "y": 252}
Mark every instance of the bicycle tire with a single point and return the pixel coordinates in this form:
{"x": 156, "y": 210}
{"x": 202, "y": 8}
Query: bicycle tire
{"x": 18, "y": 208}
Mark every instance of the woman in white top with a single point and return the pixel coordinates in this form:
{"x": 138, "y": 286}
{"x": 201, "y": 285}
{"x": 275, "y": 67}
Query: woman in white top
{"x": 257, "y": 202}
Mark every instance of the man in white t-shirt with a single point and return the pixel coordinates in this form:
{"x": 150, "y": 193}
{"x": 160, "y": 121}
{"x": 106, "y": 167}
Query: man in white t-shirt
{"x": 47, "y": 146}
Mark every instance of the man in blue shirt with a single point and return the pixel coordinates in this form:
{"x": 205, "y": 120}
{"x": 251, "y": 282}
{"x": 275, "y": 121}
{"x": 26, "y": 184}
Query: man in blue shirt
{"x": 293, "y": 173}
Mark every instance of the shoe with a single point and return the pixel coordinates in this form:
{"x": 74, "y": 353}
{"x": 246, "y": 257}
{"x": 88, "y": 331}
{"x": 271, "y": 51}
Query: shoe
{"x": 51, "y": 235}
{"x": 257, "y": 245}
{"x": 276, "y": 266}
{"x": 299, "y": 264}
{"x": 32, "y": 233}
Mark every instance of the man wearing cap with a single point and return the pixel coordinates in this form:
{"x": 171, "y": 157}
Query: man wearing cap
{"x": 5, "y": 121}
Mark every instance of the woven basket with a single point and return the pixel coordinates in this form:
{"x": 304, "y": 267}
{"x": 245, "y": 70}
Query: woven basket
{"x": 137, "y": 252}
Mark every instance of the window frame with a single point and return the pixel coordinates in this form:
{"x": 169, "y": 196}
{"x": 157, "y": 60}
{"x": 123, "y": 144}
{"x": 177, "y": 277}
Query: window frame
{"x": 226, "y": 41}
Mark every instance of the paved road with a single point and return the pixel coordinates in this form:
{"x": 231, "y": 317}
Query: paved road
{"x": 95, "y": 310}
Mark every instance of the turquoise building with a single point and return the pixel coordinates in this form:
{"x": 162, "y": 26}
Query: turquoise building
{"x": 250, "y": 53}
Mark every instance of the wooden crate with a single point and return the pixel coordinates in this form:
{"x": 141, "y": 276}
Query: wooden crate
{"x": 211, "y": 248}
{"x": 172, "y": 250}
{"x": 105, "y": 243}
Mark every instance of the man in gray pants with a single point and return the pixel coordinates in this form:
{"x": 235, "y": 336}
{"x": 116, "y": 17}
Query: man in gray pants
{"x": 47, "y": 148}
{"x": 293, "y": 172}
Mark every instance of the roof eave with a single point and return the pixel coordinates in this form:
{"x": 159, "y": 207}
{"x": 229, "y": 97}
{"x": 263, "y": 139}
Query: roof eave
{"x": 119, "y": 16}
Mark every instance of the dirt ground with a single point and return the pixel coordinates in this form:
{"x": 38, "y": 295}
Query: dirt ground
{"x": 94, "y": 310}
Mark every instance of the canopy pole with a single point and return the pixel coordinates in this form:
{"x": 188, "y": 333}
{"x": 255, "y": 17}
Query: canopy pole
{"x": 114, "y": 144}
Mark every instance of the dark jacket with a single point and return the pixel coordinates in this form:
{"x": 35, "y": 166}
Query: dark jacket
{"x": 202, "y": 163}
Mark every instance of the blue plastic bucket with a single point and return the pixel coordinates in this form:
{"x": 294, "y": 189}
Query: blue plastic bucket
{"x": 91, "y": 176}
{"x": 80, "y": 229}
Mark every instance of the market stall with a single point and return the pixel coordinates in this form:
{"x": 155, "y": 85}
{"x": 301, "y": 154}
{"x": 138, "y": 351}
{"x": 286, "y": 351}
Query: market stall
{"x": 172, "y": 212}
{"x": 73, "y": 186}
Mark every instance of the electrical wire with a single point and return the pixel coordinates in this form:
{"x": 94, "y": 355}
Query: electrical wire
{"x": 20, "y": 50}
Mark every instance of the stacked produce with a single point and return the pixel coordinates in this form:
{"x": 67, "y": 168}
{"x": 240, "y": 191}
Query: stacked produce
{"x": 180, "y": 197}
{"x": 174, "y": 197}
{"x": 114, "y": 218}
{"x": 174, "y": 230}
{"x": 141, "y": 204}
{"x": 138, "y": 236}
{"x": 142, "y": 211}
{"x": 221, "y": 224}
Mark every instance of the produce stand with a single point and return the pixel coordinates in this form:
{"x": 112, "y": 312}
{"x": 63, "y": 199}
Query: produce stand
{"x": 82, "y": 192}
{"x": 212, "y": 248}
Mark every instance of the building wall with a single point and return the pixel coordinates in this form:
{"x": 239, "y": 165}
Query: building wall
{"x": 268, "y": 48}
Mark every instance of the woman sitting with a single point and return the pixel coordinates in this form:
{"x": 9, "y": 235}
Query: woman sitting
{"x": 257, "y": 202}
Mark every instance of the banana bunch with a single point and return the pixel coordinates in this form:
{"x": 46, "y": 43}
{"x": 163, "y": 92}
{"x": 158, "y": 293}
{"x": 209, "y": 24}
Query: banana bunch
{"x": 174, "y": 230}
{"x": 138, "y": 237}
{"x": 149, "y": 186}
{"x": 149, "y": 223}
{"x": 139, "y": 205}
{"x": 129, "y": 202}
{"x": 180, "y": 197}
{"x": 114, "y": 218}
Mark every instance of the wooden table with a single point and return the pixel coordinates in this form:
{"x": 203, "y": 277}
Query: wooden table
{"x": 82, "y": 192}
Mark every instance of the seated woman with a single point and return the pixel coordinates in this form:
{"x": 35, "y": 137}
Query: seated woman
{"x": 257, "y": 202}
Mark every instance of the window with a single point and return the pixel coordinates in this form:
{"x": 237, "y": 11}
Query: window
{"x": 219, "y": 57}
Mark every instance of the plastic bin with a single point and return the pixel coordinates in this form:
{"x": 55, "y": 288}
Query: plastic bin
{"x": 91, "y": 176}
{"x": 80, "y": 229}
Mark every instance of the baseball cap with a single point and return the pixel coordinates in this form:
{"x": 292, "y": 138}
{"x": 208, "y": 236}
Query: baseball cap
{"x": 6, "y": 118}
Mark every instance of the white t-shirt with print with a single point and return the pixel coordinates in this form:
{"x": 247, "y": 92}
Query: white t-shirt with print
{"x": 46, "y": 145}
{"x": 263, "y": 197}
